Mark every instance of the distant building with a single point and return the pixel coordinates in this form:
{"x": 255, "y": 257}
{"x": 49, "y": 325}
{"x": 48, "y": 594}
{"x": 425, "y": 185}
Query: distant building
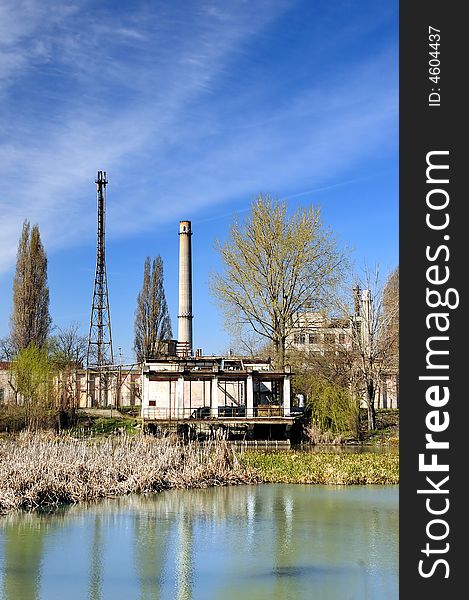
{"x": 80, "y": 388}
{"x": 315, "y": 332}
{"x": 7, "y": 391}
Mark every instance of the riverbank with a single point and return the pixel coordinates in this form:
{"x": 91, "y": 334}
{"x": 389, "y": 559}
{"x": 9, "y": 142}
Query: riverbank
{"x": 44, "y": 470}
{"x": 324, "y": 468}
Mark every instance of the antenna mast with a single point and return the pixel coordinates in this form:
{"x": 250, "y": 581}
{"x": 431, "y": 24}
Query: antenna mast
{"x": 100, "y": 355}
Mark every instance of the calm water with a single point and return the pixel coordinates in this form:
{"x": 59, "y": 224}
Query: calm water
{"x": 266, "y": 542}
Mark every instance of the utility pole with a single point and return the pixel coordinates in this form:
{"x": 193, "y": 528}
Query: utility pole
{"x": 119, "y": 381}
{"x": 99, "y": 356}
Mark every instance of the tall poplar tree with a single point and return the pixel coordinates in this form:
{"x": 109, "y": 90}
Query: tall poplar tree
{"x": 30, "y": 320}
{"x": 152, "y": 320}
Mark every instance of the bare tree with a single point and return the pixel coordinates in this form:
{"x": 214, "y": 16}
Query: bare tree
{"x": 68, "y": 346}
{"x": 362, "y": 348}
{"x": 391, "y": 313}
{"x": 7, "y": 349}
{"x": 245, "y": 341}
{"x": 67, "y": 352}
{"x": 30, "y": 319}
{"x": 152, "y": 320}
{"x": 274, "y": 266}
{"x": 8, "y": 354}
{"x": 374, "y": 340}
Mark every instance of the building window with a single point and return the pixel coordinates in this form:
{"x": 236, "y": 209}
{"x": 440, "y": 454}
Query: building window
{"x": 152, "y": 403}
{"x": 2, "y": 394}
{"x": 313, "y": 338}
{"x": 300, "y": 338}
{"x": 341, "y": 338}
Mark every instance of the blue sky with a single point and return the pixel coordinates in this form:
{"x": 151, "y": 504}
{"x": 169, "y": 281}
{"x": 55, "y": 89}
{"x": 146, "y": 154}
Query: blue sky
{"x": 192, "y": 108}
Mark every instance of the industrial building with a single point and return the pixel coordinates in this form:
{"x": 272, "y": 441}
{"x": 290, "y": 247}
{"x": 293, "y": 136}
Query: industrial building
{"x": 211, "y": 392}
{"x": 183, "y": 386}
{"x": 317, "y": 334}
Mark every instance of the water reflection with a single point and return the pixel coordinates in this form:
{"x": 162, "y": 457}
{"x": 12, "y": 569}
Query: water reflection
{"x": 184, "y": 559}
{"x": 263, "y": 542}
{"x": 150, "y": 549}
{"x": 96, "y": 566}
{"x": 23, "y": 548}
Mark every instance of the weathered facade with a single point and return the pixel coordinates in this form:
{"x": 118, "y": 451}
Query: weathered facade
{"x": 215, "y": 388}
{"x": 315, "y": 332}
{"x": 80, "y": 388}
{"x": 7, "y": 390}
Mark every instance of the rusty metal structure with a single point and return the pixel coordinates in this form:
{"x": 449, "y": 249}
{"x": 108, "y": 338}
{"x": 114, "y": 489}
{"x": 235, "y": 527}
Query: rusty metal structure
{"x": 100, "y": 357}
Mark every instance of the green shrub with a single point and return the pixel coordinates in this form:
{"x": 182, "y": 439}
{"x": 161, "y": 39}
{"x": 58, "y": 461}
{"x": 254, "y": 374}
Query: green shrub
{"x": 332, "y": 407}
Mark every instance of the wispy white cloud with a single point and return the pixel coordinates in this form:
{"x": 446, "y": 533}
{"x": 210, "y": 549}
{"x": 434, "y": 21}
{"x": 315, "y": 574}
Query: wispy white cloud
{"x": 137, "y": 92}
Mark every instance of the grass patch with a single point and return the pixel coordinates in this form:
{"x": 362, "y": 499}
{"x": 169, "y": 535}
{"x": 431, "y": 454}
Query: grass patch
{"x": 95, "y": 425}
{"x": 108, "y": 425}
{"x": 323, "y": 468}
{"x": 387, "y": 428}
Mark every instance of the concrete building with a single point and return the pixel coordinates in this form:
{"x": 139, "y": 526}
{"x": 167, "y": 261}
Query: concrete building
{"x": 214, "y": 387}
{"x": 80, "y": 388}
{"x": 315, "y": 332}
{"x": 122, "y": 387}
{"x": 7, "y": 389}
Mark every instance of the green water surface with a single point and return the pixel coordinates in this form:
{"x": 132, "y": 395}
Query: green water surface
{"x": 265, "y": 542}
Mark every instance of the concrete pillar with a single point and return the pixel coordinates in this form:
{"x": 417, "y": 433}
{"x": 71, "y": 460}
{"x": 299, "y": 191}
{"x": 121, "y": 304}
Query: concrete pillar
{"x": 249, "y": 397}
{"x": 286, "y": 396}
{"x": 214, "y": 397}
{"x": 179, "y": 397}
{"x": 185, "y": 286}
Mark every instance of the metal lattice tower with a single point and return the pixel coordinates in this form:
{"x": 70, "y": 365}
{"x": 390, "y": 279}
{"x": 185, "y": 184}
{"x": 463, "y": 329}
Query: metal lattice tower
{"x": 100, "y": 355}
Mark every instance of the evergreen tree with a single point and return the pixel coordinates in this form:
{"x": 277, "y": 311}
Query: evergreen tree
{"x": 152, "y": 320}
{"x": 30, "y": 319}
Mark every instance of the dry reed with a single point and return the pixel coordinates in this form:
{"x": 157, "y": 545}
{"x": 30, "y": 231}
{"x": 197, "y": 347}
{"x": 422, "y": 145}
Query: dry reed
{"x": 39, "y": 470}
{"x": 44, "y": 470}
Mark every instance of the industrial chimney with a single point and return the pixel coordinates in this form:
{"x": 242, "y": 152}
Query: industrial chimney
{"x": 185, "y": 290}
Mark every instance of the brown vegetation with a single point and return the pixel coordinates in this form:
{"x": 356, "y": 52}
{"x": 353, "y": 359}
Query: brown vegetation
{"x": 152, "y": 320}
{"x": 45, "y": 470}
{"x": 38, "y": 470}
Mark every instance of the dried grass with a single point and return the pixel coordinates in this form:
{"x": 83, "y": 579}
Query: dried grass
{"x": 39, "y": 470}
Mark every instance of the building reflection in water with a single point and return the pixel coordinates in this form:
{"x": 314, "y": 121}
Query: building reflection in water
{"x": 22, "y": 539}
{"x": 96, "y": 560}
{"x": 266, "y": 541}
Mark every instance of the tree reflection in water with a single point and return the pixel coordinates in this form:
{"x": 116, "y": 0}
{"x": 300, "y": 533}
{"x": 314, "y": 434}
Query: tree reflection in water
{"x": 267, "y": 541}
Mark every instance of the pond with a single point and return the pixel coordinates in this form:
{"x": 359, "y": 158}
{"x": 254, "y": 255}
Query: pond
{"x": 264, "y": 542}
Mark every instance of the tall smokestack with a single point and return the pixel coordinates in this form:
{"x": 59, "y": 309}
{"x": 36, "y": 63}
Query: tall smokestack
{"x": 185, "y": 289}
